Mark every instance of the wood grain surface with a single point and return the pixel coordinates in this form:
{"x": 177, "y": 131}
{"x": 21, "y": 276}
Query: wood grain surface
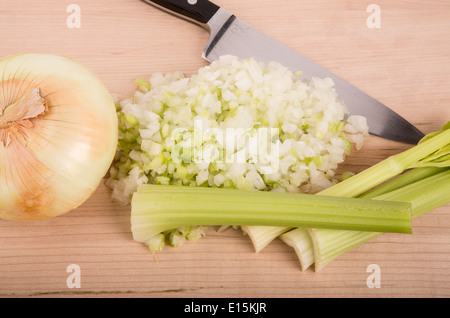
{"x": 405, "y": 64}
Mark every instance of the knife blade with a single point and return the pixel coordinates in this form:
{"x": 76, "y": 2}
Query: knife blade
{"x": 232, "y": 36}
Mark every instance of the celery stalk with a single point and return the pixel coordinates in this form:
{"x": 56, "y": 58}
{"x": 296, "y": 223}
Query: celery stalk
{"x": 421, "y": 155}
{"x": 388, "y": 168}
{"x": 261, "y": 236}
{"x": 424, "y": 196}
{"x": 300, "y": 240}
{"x": 402, "y": 180}
{"x": 157, "y": 208}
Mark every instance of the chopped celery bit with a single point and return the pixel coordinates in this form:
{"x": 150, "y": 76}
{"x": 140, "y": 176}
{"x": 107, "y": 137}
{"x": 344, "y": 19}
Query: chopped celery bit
{"x": 156, "y": 243}
{"x": 176, "y": 238}
{"x": 347, "y": 175}
{"x": 143, "y": 84}
{"x": 131, "y": 120}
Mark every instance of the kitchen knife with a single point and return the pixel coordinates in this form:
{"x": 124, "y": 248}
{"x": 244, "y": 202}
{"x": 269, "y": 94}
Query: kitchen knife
{"x": 231, "y": 36}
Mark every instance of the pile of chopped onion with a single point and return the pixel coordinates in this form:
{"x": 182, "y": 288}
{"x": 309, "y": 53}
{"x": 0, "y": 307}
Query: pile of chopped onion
{"x": 308, "y": 132}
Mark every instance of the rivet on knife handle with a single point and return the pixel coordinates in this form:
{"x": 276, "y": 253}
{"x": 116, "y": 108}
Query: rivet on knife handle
{"x": 199, "y": 11}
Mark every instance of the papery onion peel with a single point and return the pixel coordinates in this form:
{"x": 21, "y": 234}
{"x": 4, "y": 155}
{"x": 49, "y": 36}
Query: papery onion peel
{"x": 58, "y": 135}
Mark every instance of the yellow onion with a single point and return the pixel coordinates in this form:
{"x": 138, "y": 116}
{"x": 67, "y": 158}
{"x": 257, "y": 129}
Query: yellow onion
{"x": 58, "y": 135}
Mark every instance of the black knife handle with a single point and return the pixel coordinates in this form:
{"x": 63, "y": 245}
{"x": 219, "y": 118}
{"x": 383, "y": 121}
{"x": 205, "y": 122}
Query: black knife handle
{"x": 200, "y": 11}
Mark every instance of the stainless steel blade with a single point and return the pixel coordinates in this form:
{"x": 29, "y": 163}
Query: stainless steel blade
{"x": 229, "y": 35}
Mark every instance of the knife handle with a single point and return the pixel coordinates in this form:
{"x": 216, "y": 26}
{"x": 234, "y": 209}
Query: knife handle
{"x": 199, "y": 11}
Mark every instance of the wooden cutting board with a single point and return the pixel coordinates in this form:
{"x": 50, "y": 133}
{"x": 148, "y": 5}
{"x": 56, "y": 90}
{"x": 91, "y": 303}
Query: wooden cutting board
{"x": 404, "y": 63}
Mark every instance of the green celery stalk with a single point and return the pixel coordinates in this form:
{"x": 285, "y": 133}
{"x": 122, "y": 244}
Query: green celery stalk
{"x": 261, "y": 236}
{"x": 402, "y": 180}
{"x": 424, "y": 196}
{"x": 300, "y": 240}
{"x": 158, "y": 208}
{"x": 389, "y": 168}
{"x": 432, "y": 147}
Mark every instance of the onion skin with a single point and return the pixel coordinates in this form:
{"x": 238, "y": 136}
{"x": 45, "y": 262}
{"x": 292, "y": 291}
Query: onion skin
{"x": 62, "y": 155}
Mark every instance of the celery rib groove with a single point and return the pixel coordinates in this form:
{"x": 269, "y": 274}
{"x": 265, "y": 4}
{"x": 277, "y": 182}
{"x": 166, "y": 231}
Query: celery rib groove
{"x": 158, "y": 208}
